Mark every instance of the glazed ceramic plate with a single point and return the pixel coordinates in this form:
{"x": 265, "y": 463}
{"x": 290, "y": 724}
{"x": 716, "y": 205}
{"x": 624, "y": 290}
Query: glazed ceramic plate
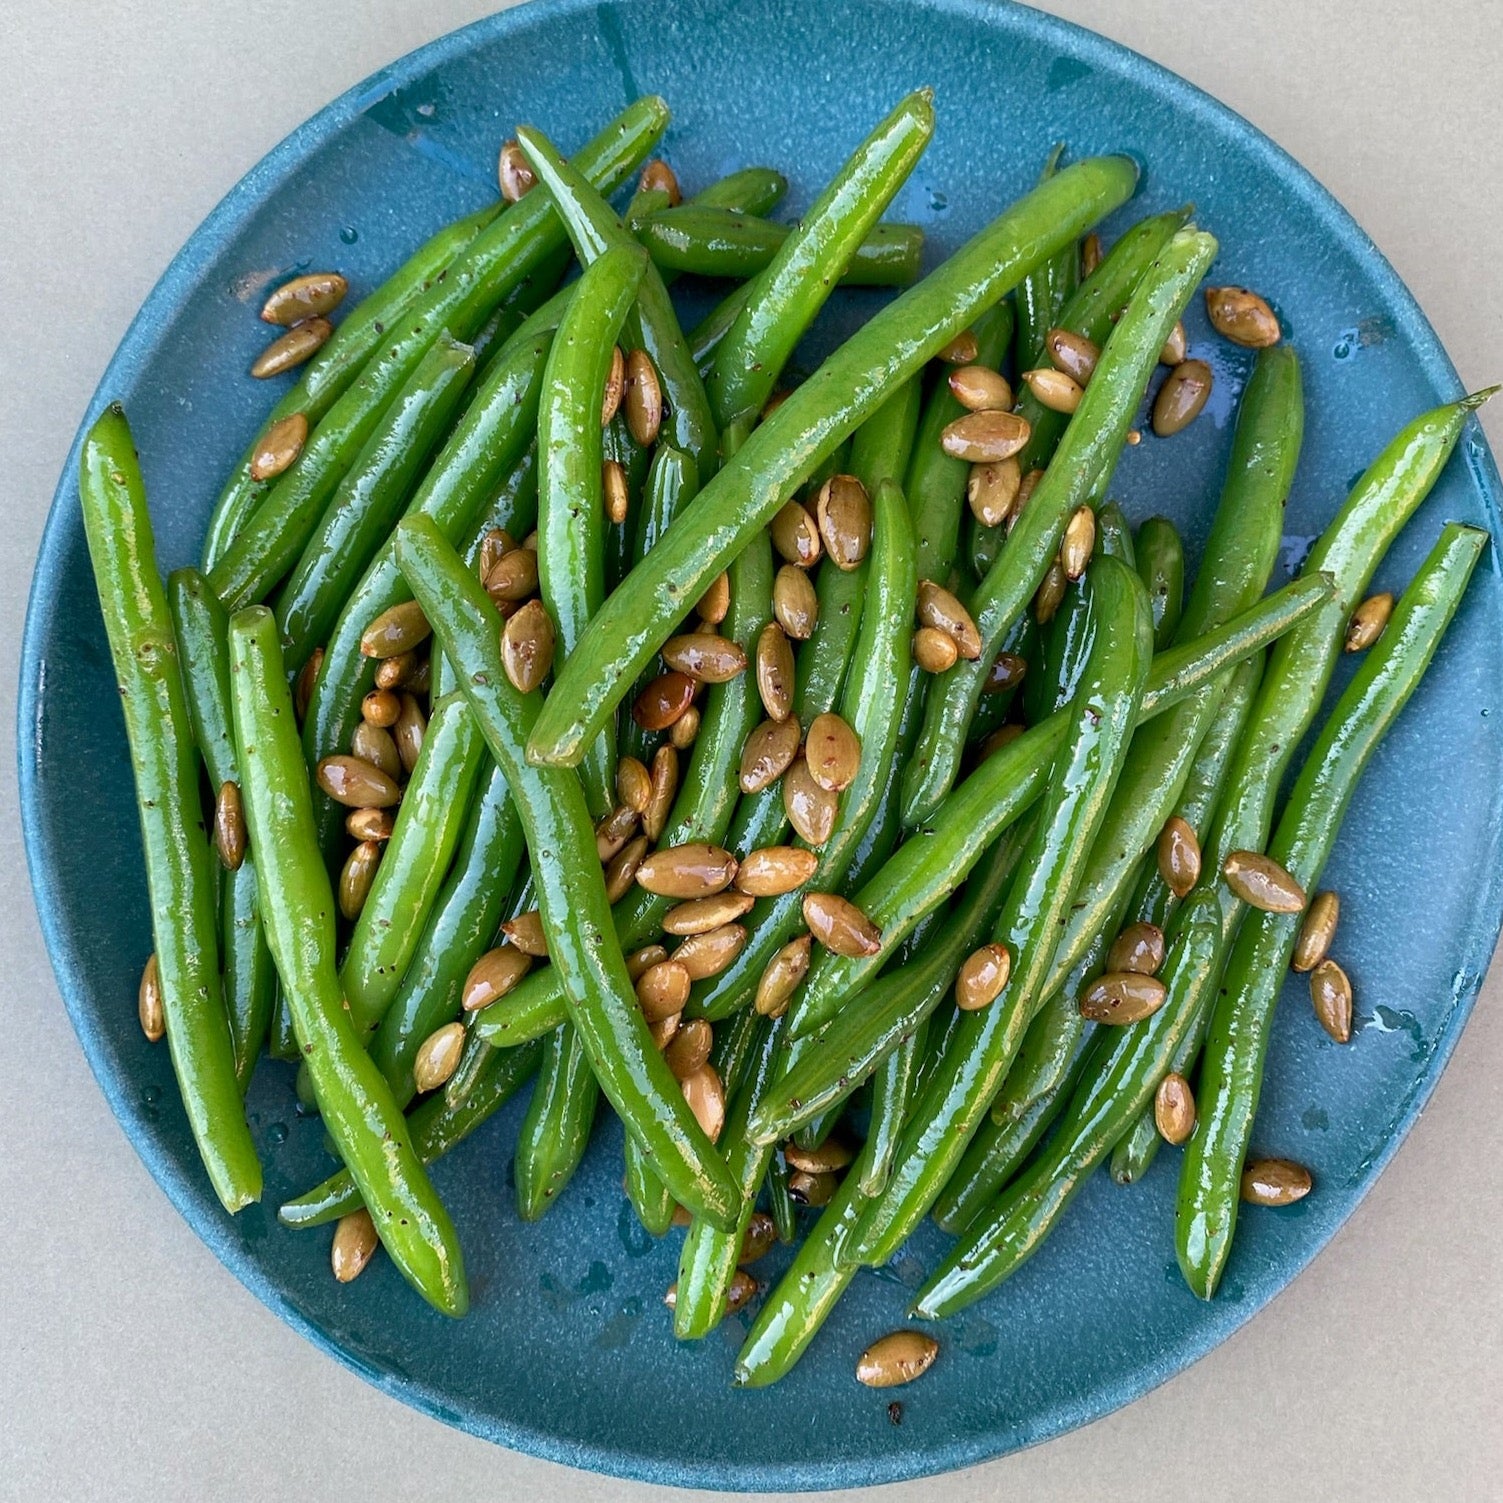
{"x": 567, "y": 1353}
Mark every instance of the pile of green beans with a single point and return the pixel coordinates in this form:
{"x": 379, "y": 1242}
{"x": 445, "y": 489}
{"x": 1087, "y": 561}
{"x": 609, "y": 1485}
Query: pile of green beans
{"x": 562, "y": 701}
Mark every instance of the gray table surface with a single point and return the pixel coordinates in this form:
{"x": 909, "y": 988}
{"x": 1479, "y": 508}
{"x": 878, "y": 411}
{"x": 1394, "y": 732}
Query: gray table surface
{"x": 132, "y": 1365}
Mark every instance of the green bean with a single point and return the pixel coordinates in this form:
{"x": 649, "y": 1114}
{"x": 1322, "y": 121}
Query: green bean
{"x": 459, "y": 928}
{"x": 499, "y": 259}
{"x": 571, "y": 509}
{"x": 1161, "y": 562}
{"x": 923, "y": 872}
{"x": 435, "y": 1127}
{"x": 803, "y": 272}
{"x": 1123, "y": 1067}
{"x": 892, "y": 346}
{"x": 297, "y": 910}
{"x": 1081, "y": 782}
{"x": 369, "y": 498}
{"x": 1114, "y": 537}
{"x": 1057, "y": 665}
{"x": 556, "y": 1128}
{"x": 736, "y": 1048}
{"x": 430, "y": 824}
{"x": 803, "y": 1298}
{"x": 332, "y": 369}
{"x": 652, "y": 325}
{"x": 1242, "y": 1012}
{"x": 650, "y": 1198}
{"x": 706, "y": 336}
{"x": 486, "y": 454}
{"x": 1043, "y": 293}
{"x": 892, "y": 1094}
{"x": 1090, "y": 312}
{"x": 571, "y": 890}
{"x": 880, "y": 659}
{"x": 702, "y": 811}
{"x": 281, "y": 1043}
{"x": 719, "y": 243}
{"x": 1082, "y": 464}
{"x": 708, "y": 1258}
{"x": 250, "y": 980}
{"x": 200, "y": 627}
{"x": 179, "y": 864}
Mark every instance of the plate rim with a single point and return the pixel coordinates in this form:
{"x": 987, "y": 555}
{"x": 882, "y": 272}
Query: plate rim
{"x": 199, "y": 1209}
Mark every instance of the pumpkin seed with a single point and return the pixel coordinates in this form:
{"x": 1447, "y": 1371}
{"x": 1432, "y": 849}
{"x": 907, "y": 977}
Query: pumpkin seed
{"x": 299, "y": 343}
{"x": 1176, "y": 347}
{"x": 700, "y": 915}
{"x": 683, "y": 730}
{"x": 302, "y": 691}
{"x": 633, "y": 784}
{"x": 980, "y": 389}
{"x": 839, "y": 925}
{"x": 663, "y": 701}
{"x": 229, "y": 826}
{"x": 715, "y": 604}
{"x": 380, "y": 708}
{"x": 1174, "y": 1109}
{"x": 795, "y": 535}
{"x": 369, "y": 824}
{"x": 643, "y": 399}
{"x": 962, "y": 350}
{"x": 1242, "y": 316}
{"x": 775, "y": 671}
{"x": 278, "y": 448}
{"x": 1078, "y": 543}
{"x": 1262, "y": 883}
{"x": 689, "y": 1051}
{"x": 1313, "y": 943}
{"x": 303, "y": 297}
{"x": 621, "y": 869}
{"x": 1026, "y": 487}
{"x": 1331, "y": 997}
{"x": 1091, "y": 254}
{"x": 1050, "y": 594}
{"x": 758, "y": 1239}
{"x": 664, "y": 791}
{"x": 843, "y": 514}
{"x": 982, "y": 975}
{"x": 934, "y": 650}
{"x": 897, "y": 1359}
{"x": 658, "y": 177}
{"x": 514, "y": 172}
{"x": 615, "y": 385}
{"x": 1178, "y": 856}
{"x": 355, "y": 1243}
{"x": 1139, "y": 947}
{"x": 829, "y": 1158}
{"x": 781, "y": 978}
{"x": 813, "y": 1190}
{"x": 769, "y": 752}
{"x": 706, "y": 1097}
{"x": 526, "y": 932}
{"x": 1368, "y": 621}
{"x": 708, "y": 954}
{"x": 1054, "y": 389}
{"x": 513, "y": 577}
{"x": 372, "y": 744}
{"x": 356, "y": 876}
{"x": 695, "y": 870}
{"x": 795, "y": 602}
{"x": 833, "y": 751}
{"x": 1122, "y": 997}
{"x": 149, "y": 1001}
{"x": 409, "y": 731}
{"x": 613, "y": 830}
{"x": 356, "y": 784}
{"x": 775, "y": 869}
{"x": 398, "y": 629}
{"x": 938, "y": 608}
{"x": 437, "y": 1057}
{"x": 705, "y": 657}
{"x": 1008, "y": 671}
{"x": 1004, "y": 735}
{"x": 810, "y": 809}
{"x": 1182, "y": 396}
{"x": 615, "y": 491}
{"x": 643, "y": 960}
{"x": 1073, "y": 354}
{"x": 1275, "y": 1182}
{"x": 981, "y": 436}
{"x": 991, "y": 490}
{"x": 493, "y": 976}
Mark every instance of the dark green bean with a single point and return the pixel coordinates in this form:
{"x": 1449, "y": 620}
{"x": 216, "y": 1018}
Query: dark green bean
{"x": 719, "y": 243}
{"x": 571, "y": 890}
{"x": 1161, "y": 562}
{"x": 556, "y": 1128}
{"x": 1114, "y": 537}
{"x": 297, "y": 910}
{"x": 1242, "y": 1012}
{"x": 790, "y": 292}
{"x": 436, "y": 1127}
{"x": 1082, "y": 465}
{"x": 179, "y": 863}
{"x": 1043, "y": 293}
{"x": 517, "y": 244}
{"x": 250, "y": 979}
{"x": 705, "y": 337}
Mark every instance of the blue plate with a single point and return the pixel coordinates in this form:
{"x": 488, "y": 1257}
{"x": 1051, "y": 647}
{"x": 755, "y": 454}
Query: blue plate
{"x": 567, "y": 1353}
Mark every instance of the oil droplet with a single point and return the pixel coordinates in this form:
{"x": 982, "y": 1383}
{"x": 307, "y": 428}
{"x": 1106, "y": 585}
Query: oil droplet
{"x": 597, "y": 1278}
{"x": 1343, "y": 349}
{"x": 616, "y": 1332}
{"x": 938, "y": 202}
{"x": 276, "y": 1134}
{"x": 976, "y": 1336}
{"x": 1315, "y": 1119}
{"x": 635, "y": 1237}
{"x": 349, "y": 234}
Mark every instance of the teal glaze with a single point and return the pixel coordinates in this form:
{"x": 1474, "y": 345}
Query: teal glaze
{"x": 581, "y": 1291}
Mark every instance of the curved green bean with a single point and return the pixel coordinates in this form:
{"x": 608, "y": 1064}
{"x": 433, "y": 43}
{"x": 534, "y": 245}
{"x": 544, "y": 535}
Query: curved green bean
{"x": 297, "y": 910}
{"x": 1161, "y": 562}
{"x": 708, "y": 242}
{"x": 179, "y": 863}
{"x": 556, "y": 1128}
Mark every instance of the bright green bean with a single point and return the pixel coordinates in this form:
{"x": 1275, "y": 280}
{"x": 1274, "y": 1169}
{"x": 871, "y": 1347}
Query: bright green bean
{"x": 1161, "y": 562}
